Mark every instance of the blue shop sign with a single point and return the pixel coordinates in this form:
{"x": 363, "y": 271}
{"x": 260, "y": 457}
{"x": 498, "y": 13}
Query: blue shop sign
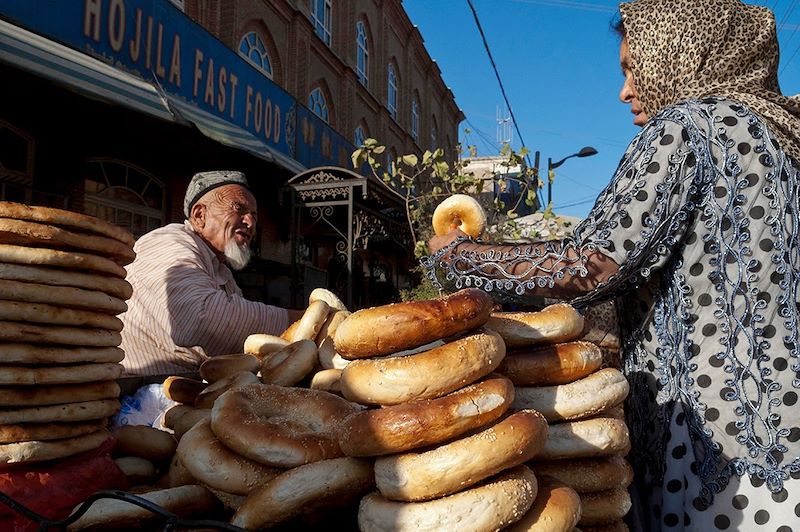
{"x": 157, "y": 42}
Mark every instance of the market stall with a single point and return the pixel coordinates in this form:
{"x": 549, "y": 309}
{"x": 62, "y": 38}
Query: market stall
{"x": 443, "y": 414}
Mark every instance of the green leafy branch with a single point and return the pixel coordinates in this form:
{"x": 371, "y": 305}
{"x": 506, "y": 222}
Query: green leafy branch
{"x": 424, "y": 183}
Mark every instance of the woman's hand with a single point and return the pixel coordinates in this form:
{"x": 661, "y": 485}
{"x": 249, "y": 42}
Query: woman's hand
{"x": 438, "y": 242}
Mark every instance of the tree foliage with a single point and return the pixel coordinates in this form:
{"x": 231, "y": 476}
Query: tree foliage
{"x": 424, "y": 183}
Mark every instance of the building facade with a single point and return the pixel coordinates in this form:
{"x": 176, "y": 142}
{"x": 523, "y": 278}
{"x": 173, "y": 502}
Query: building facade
{"x": 109, "y": 106}
{"x": 360, "y": 65}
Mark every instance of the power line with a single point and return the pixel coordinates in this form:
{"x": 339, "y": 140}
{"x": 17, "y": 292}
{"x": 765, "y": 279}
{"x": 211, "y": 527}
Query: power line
{"x": 579, "y": 183}
{"x": 790, "y": 58}
{"x": 575, "y": 204}
{"x": 584, "y": 6}
{"x": 497, "y": 74}
{"x": 485, "y": 138}
{"x": 786, "y": 15}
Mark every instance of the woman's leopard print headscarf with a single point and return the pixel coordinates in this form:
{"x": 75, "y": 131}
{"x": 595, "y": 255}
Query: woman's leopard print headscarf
{"x": 683, "y": 49}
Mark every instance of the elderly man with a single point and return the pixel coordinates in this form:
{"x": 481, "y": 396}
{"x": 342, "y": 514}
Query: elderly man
{"x": 186, "y": 305}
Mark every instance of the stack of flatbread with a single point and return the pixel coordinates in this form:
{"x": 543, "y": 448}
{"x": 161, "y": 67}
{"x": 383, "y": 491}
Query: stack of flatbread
{"x": 62, "y": 285}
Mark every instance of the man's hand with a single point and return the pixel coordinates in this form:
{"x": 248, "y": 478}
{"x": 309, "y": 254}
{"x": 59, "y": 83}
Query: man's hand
{"x": 438, "y": 242}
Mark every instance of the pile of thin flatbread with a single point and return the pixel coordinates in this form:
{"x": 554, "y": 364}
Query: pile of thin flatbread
{"x": 62, "y": 285}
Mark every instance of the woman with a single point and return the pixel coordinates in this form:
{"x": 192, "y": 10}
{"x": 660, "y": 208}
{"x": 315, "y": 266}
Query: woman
{"x": 698, "y": 238}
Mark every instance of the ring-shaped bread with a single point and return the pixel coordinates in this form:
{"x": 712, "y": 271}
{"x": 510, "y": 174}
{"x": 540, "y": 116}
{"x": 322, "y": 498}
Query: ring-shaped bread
{"x": 553, "y": 324}
{"x": 328, "y": 297}
{"x": 328, "y": 380}
{"x": 280, "y": 426}
{"x": 222, "y": 366}
{"x": 591, "y": 395}
{"x": 289, "y": 365}
{"x": 552, "y": 364}
{"x": 489, "y": 506}
{"x": 206, "y": 398}
{"x": 426, "y": 375}
{"x": 589, "y": 475}
{"x": 459, "y": 211}
{"x": 183, "y": 389}
{"x": 604, "y": 507}
{"x": 306, "y": 488}
{"x": 328, "y": 329}
{"x": 586, "y": 438}
{"x": 312, "y": 321}
{"x": 399, "y": 428}
{"x": 145, "y": 442}
{"x": 462, "y": 463}
{"x": 387, "y": 329}
{"x": 557, "y": 508}
{"x": 210, "y": 462}
{"x": 260, "y": 345}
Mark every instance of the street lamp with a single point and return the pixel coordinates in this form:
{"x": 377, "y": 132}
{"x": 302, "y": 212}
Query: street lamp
{"x": 586, "y": 151}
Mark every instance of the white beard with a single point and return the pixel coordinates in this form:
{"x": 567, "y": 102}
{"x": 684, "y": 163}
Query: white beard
{"x": 237, "y": 256}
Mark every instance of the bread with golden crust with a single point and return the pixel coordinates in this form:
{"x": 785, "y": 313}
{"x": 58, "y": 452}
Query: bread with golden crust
{"x": 213, "y": 464}
{"x": 462, "y": 463}
{"x": 586, "y": 438}
{"x": 552, "y": 364}
{"x": 588, "y": 475}
{"x": 426, "y": 375}
{"x": 554, "y": 324}
{"x": 459, "y": 211}
{"x": 309, "y": 487}
{"x": 280, "y": 426}
{"x": 557, "y": 508}
{"x": 222, "y": 366}
{"x": 186, "y": 501}
{"x": 387, "y": 329}
{"x": 399, "y": 428}
{"x": 604, "y": 507}
{"x": 490, "y": 506}
{"x": 583, "y": 398}
{"x": 183, "y": 389}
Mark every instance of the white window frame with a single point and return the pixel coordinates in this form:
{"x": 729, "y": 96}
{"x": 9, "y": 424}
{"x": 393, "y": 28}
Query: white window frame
{"x": 322, "y": 21}
{"x": 112, "y": 181}
{"x": 252, "y": 43}
{"x": 318, "y": 105}
{"x": 391, "y": 97}
{"x": 362, "y": 60}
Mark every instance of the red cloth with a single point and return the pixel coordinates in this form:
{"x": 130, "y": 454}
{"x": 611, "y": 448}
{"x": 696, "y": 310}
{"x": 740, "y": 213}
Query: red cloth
{"x": 52, "y": 489}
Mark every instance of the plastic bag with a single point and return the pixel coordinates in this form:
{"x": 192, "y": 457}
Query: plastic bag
{"x": 53, "y": 488}
{"x": 145, "y": 407}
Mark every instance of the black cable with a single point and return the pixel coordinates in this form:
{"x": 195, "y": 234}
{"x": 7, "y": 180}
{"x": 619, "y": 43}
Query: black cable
{"x": 497, "y": 74}
{"x": 503, "y": 91}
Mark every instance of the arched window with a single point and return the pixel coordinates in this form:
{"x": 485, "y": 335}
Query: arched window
{"x": 362, "y": 63}
{"x": 321, "y": 18}
{"x": 391, "y": 100}
{"x": 252, "y": 48}
{"x": 434, "y": 140}
{"x": 124, "y": 194}
{"x": 415, "y": 119}
{"x": 359, "y": 137}
{"x": 316, "y": 102}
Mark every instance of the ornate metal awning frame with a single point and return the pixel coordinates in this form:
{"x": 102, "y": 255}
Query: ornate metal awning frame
{"x": 320, "y": 191}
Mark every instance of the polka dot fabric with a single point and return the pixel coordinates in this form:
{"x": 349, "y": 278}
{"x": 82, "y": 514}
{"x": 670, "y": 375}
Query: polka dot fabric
{"x": 709, "y": 257}
{"x": 742, "y": 505}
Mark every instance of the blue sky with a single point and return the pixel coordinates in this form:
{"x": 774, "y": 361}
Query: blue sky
{"x": 559, "y": 63}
